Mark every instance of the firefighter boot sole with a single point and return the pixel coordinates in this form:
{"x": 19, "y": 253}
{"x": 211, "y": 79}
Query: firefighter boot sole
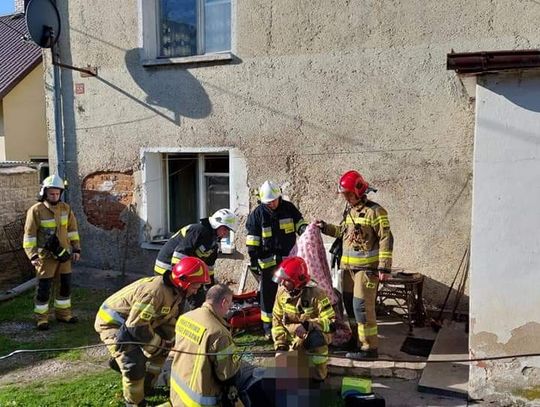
{"x": 72, "y": 320}
{"x": 44, "y": 326}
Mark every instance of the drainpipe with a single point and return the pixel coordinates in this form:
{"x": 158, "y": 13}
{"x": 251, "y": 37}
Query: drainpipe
{"x": 58, "y": 130}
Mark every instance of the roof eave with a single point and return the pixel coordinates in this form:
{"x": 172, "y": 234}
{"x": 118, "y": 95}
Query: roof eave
{"x": 20, "y": 77}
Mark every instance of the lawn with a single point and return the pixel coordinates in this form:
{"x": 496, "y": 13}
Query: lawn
{"x": 90, "y": 388}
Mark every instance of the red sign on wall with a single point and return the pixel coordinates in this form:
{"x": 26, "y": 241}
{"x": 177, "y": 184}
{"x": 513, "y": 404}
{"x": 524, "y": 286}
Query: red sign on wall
{"x": 79, "y": 88}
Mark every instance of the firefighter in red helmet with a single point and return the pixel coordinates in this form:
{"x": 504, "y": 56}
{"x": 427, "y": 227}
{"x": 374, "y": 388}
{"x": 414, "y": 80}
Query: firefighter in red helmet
{"x": 146, "y": 311}
{"x": 303, "y": 317}
{"x": 366, "y": 257}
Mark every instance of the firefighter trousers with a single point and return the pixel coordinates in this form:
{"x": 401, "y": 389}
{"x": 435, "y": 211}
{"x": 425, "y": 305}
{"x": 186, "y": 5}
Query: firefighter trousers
{"x": 53, "y": 273}
{"x": 268, "y": 290}
{"x": 363, "y": 285}
{"x": 139, "y": 372}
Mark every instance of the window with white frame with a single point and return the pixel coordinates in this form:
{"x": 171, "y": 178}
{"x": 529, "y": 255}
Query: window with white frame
{"x": 180, "y": 187}
{"x": 193, "y": 27}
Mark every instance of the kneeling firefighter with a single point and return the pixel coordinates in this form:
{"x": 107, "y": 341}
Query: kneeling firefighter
{"x": 303, "y": 316}
{"x": 146, "y": 311}
{"x": 51, "y": 241}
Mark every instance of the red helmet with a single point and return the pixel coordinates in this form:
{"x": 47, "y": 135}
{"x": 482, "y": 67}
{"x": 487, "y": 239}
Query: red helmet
{"x": 352, "y": 181}
{"x": 293, "y": 269}
{"x": 190, "y": 270}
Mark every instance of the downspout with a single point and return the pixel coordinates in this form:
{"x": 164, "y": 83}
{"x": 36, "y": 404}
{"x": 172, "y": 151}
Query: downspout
{"x": 58, "y": 129}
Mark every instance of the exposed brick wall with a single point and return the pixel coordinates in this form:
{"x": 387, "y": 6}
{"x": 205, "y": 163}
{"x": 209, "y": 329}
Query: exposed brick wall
{"x": 106, "y": 195}
{"x": 19, "y": 187}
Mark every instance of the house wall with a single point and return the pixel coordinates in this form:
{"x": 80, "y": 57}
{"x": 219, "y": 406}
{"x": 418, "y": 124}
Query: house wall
{"x": 505, "y": 306}
{"x": 2, "y": 139}
{"x": 315, "y": 88}
{"x": 24, "y": 119}
{"x": 18, "y": 191}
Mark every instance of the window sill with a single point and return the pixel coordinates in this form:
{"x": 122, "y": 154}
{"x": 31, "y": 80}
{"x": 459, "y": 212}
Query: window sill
{"x": 221, "y": 57}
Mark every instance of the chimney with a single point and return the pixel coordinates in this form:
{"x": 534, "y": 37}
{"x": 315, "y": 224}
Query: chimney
{"x": 20, "y": 6}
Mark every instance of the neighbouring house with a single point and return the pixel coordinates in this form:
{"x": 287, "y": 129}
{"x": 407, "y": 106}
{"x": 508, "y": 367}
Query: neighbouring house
{"x": 505, "y": 233}
{"x": 23, "y": 130}
{"x": 197, "y": 103}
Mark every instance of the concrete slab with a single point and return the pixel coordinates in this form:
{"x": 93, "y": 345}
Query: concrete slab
{"x": 449, "y": 379}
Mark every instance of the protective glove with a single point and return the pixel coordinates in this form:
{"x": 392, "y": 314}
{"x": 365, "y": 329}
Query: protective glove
{"x": 301, "y": 331}
{"x": 321, "y": 224}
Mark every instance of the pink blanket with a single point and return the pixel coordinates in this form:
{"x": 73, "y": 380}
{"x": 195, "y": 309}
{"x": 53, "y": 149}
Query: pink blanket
{"x": 310, "y": 247}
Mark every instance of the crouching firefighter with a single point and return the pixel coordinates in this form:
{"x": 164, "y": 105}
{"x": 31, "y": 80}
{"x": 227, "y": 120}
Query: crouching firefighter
{"x": 206, "y": 369}
{"x": 145, "y": 312}
{"x": 51, "y": 242}
{"x": 303, "y": 316}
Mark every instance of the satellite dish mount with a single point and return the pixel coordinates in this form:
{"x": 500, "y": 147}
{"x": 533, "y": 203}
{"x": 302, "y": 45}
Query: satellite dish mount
{"x": 43, "y": 23}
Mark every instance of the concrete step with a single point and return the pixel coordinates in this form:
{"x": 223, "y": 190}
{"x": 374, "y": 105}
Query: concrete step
{"x": 448, "y": 379}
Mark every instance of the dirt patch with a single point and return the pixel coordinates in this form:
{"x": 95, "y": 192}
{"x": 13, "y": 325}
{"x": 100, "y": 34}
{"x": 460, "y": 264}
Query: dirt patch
{"x": 27, "y": 368}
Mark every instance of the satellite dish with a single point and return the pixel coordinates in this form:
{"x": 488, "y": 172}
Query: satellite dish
{"x": 43, "y": 22}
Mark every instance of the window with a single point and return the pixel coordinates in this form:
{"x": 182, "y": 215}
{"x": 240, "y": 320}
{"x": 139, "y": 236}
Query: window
{"x": 181, "y": 186}
{"x": 185, "y": 31}
{"x": 202, "y": 182}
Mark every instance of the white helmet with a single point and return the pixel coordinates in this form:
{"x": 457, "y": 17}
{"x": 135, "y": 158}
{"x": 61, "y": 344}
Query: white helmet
{"x": 224, "y": 217}
{"x": 269, "y": 191}
{"x": 52, "y": 181}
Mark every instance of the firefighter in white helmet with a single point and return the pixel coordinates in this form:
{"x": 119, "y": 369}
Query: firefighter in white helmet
{"x": 51, "y": 242}
{"x": 198, "y": 240}
{"x": 146, "y": 312}
{"x": 272, "y": 228}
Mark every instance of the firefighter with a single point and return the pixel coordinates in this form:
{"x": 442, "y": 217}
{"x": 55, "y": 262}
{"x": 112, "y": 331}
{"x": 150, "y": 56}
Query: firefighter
{"x": 146, "y": 311}
{"x": 303, "y": 316}
{"x": 366, "y": 257}
{"x": 271, "y": 234}
{"x": 51, "y": 242}
{"x": 198, "y": 240}
{"x": 206, "y": 369}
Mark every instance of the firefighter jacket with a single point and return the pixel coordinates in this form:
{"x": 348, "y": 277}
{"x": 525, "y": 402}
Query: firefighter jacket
{"x": 272, "y": 234}
{"x": 146, "y": 309}
{"x": 44, "y": 220}
{"x": 367, "y": 239}
{"x": 198, "y": 379}
{"x": 196, "y": 240}
{"x": 311, "y": 308}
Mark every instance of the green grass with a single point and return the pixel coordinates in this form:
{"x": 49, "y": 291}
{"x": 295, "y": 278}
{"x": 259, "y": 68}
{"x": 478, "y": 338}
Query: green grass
{"x": 20, "y": 310}
{"x": 94, "y": 390}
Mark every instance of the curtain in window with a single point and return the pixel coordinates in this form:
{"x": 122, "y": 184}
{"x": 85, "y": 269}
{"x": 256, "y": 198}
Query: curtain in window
{"x": 178, "y": 28}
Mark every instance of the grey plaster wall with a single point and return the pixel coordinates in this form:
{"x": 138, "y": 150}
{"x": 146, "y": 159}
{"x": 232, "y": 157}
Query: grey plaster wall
{"x": 316, "y": 88}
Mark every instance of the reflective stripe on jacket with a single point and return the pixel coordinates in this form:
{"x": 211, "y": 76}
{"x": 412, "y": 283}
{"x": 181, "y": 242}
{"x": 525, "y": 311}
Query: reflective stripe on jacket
{"x": 272, "y": 234}
{"x": 196, "y": 379}
{"x": 147, "y": 307}
{"x": 44, "y": 220}
{"x": 367, "y": 239}
{"x": 197, "y": 240}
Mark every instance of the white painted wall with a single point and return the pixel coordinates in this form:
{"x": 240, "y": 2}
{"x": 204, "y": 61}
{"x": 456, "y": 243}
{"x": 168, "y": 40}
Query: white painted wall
{"x": 505, "y": 261}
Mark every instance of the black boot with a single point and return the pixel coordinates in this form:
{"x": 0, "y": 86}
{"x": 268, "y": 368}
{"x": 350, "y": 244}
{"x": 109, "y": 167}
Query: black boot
{"x": 113, "y": 364}
{"x": 370, "y": 354}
